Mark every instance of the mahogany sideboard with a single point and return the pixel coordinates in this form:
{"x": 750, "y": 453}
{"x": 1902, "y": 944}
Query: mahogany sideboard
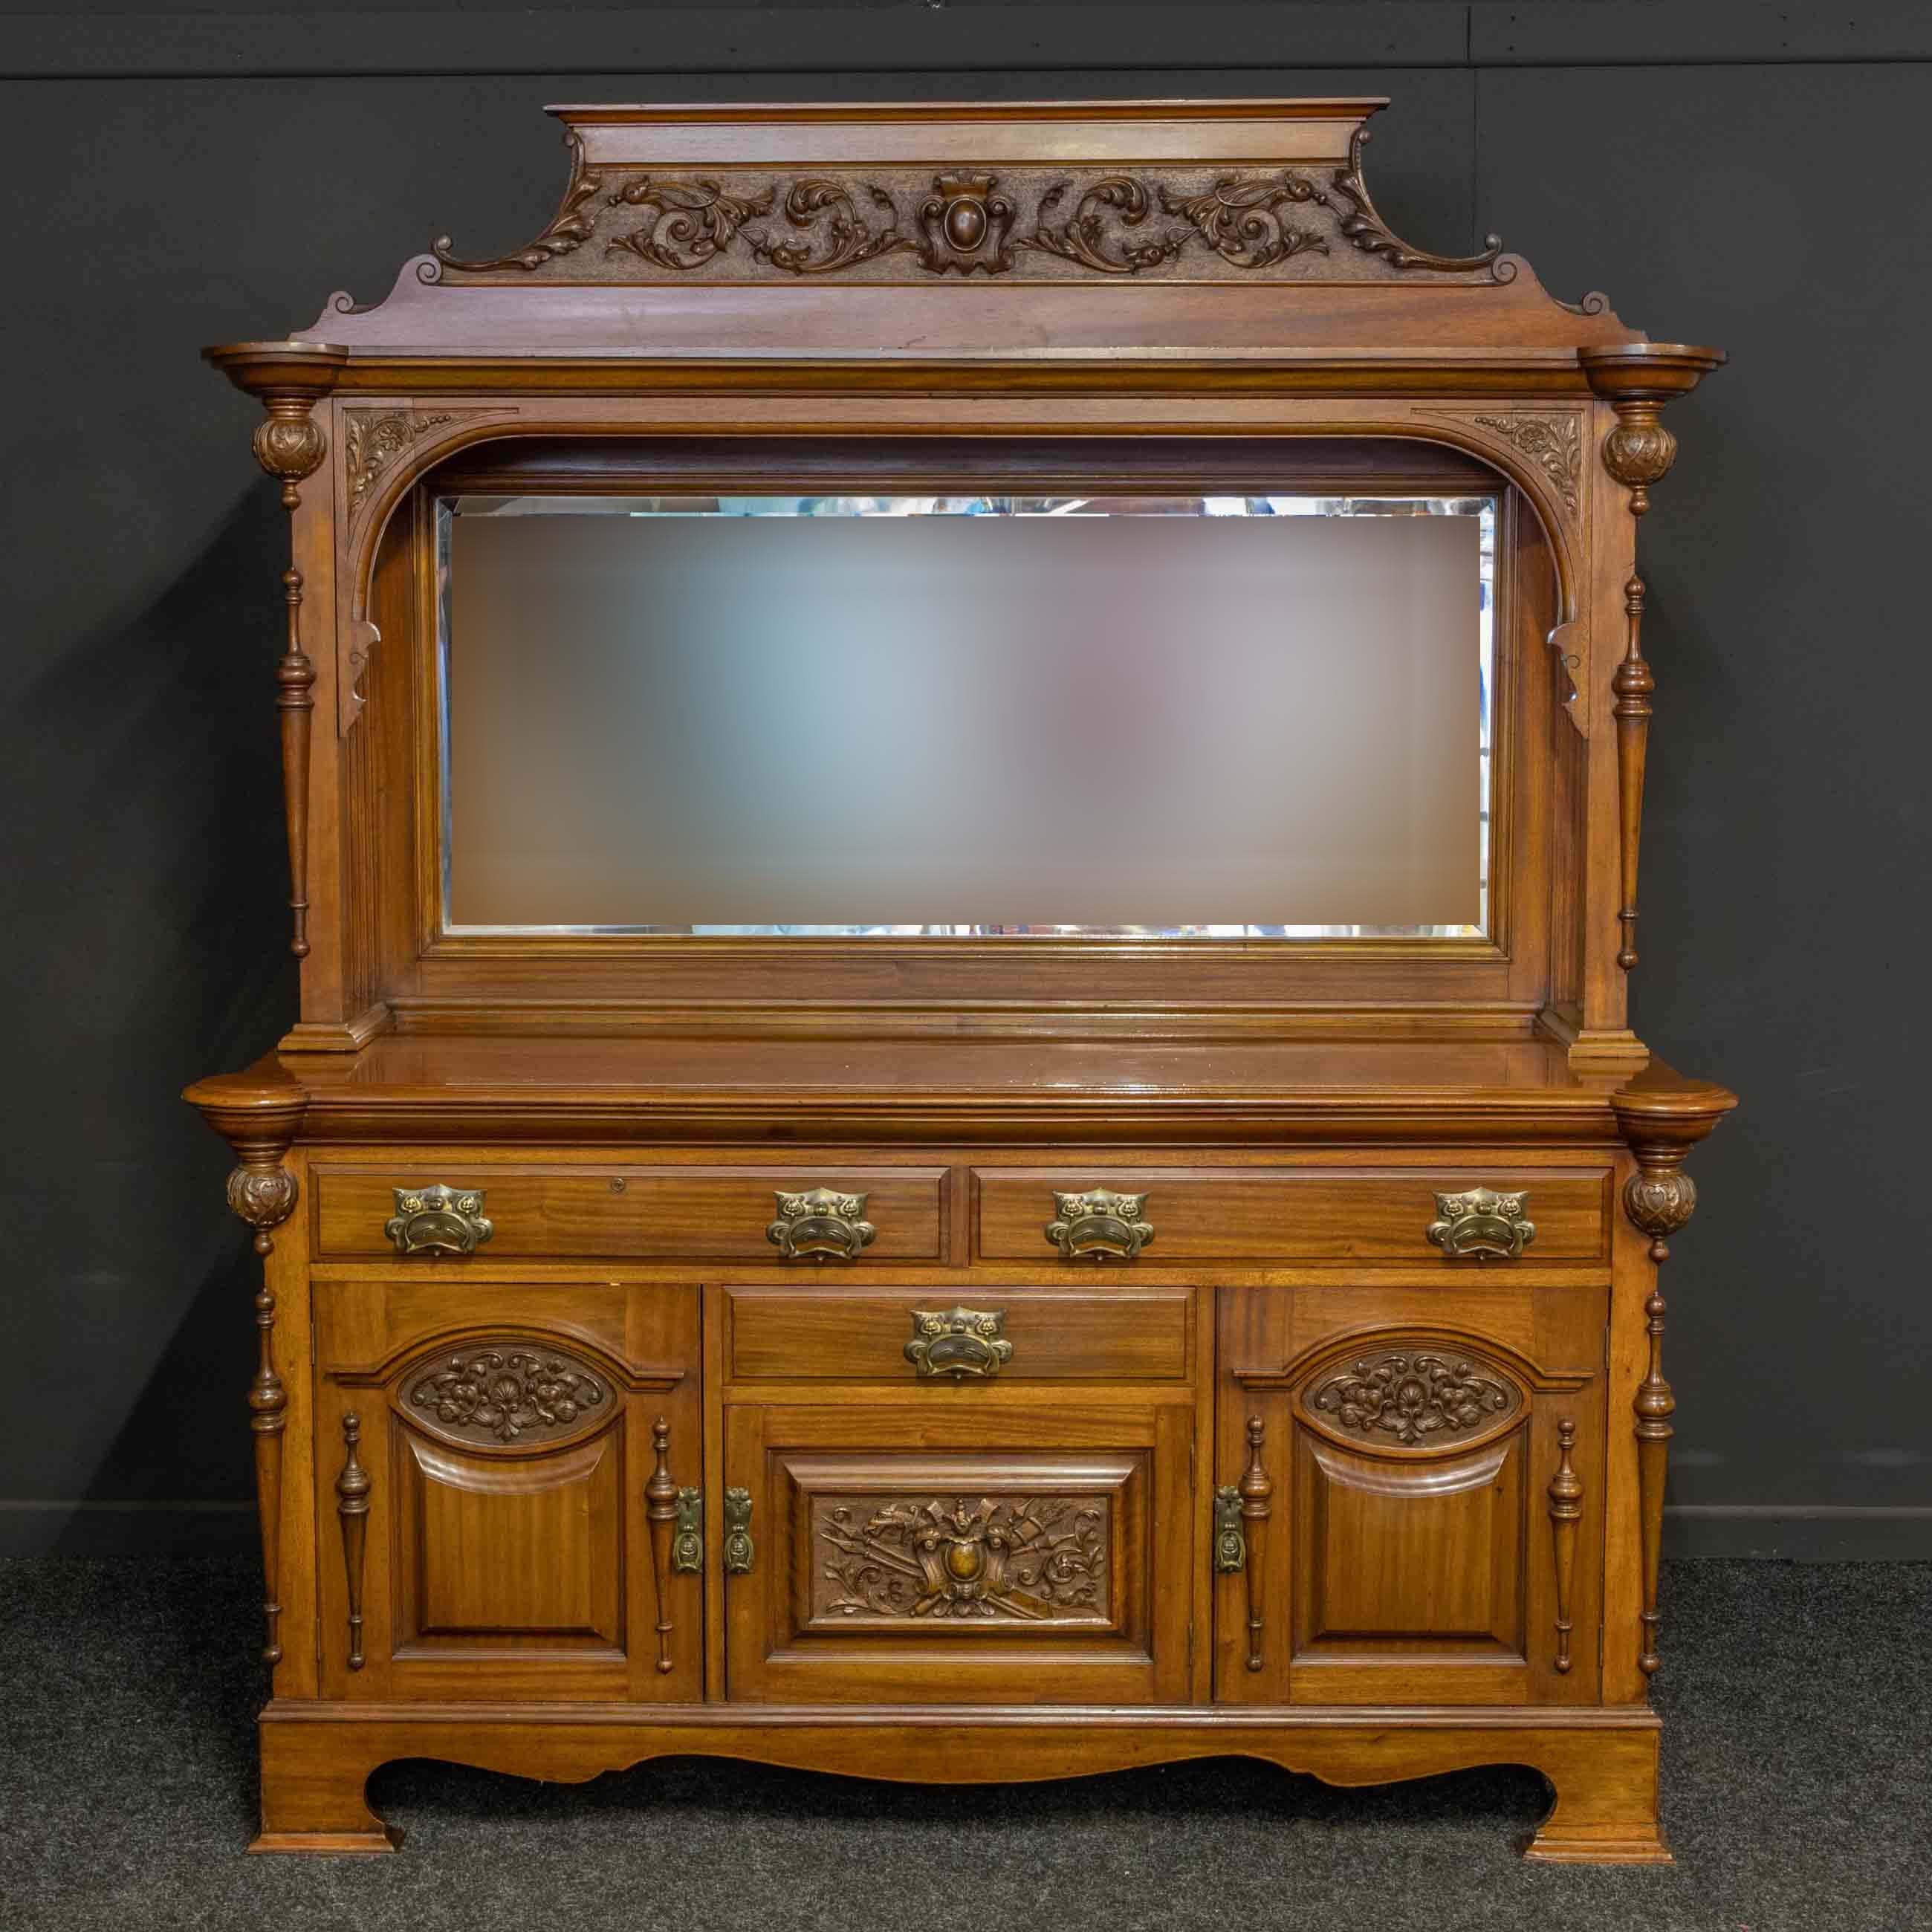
{"x": 965, "y": 1356}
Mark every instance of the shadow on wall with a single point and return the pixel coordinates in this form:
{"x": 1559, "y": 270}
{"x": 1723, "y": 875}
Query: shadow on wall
{"x": 149, "y": 886}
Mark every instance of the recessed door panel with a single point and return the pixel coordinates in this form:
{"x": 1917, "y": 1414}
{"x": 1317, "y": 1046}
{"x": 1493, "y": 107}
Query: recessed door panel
{"x": 1419, "y": 1557}
{"x": 517, "y": 1553}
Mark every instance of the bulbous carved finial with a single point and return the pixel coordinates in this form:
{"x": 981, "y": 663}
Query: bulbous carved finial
{"x": 1659, "y": 1201}
{"x": 263, "y": 1197}
{"x": 289, "y": 443}
{"x": 1638, "y": 451}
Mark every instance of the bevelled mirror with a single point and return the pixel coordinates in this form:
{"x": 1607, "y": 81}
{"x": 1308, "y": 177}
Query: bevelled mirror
{"x": 1248, "y": 717}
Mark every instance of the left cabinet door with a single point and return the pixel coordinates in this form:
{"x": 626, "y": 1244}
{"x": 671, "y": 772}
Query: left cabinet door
{"x": 497, "y": 1467}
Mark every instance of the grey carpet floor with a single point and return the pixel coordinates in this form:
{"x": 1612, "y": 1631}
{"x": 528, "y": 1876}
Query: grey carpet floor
{"x": 1798, "y": 1766}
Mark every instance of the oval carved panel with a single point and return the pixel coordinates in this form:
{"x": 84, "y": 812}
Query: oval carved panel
{"x": 1414, "y": 1397}
{"x": 505, "y": 1393}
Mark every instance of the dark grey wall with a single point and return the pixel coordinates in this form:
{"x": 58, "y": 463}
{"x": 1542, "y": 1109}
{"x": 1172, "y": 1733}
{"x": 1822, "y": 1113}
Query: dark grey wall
{"x": 174, "y": 180}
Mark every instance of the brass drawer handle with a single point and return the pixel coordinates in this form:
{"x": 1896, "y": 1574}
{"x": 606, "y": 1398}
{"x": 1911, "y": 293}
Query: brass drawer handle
{"x": 965, "y": 1343}
{"x": 821, "y": 1225}
{"x": 1099, "y": 1224}
{"x": 738, "y": 1550}
{"x": 1482, "y": 1222}
{"x": 438, "y": 1220}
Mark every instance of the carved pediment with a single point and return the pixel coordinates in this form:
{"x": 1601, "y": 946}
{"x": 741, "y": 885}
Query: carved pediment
{"x": 1310, "y": 219}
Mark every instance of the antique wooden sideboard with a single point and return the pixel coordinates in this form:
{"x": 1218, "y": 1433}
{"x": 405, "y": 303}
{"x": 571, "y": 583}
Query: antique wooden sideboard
{"x": 958, "y": 1354}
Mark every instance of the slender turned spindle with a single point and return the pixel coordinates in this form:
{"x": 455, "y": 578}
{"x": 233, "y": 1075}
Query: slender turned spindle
{"x": 352, "y": 1507}
{"x": 1256, "y": 1489}
{"x": 661, "y": 1511}
{"x": 1566, "y": 1510}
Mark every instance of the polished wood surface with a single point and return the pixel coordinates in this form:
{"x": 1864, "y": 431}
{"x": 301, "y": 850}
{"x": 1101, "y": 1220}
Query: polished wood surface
{"x": 580, "y": 1458}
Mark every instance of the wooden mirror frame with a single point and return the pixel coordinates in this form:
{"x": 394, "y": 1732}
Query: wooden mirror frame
{"x": 794, "y": 288}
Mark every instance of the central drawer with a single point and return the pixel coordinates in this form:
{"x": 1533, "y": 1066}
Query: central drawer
{"x": 959, "y": 1334}
{"x": 617, "y": 1213}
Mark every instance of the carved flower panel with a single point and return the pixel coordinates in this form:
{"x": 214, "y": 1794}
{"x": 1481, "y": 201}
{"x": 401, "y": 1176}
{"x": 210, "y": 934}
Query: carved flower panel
{"x": 1413, "y": 1397}
{"x": 1313, "y": 223}
{"x": 1013, "y": 1560}
{"x": 506, "y": 1393}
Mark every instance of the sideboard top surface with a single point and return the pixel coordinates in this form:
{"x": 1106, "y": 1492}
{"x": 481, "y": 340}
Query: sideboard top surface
{"x": 528, "y": 1088}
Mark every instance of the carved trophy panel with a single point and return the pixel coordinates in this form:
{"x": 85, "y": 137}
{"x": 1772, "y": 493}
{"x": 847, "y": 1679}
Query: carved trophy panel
{"x": 896, "y": 1559}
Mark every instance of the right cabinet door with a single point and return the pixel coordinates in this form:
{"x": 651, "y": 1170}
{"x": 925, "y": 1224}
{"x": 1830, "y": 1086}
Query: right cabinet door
{"x": 1410, "y": 1494}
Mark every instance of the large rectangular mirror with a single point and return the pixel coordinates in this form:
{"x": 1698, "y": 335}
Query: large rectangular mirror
{"x": 1240, "y": 718}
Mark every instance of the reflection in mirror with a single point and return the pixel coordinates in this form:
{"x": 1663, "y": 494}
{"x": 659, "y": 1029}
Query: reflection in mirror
{"x": 1252, "y": 718}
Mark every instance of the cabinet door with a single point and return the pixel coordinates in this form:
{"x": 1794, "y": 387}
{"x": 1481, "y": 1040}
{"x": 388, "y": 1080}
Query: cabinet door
{"x": 1428, "y": 1474}
{"x": 948, "y": 1551}
{"x": 491, "y": 1527}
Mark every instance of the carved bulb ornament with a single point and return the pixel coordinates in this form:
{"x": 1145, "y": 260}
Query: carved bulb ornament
{"x": 288, "y": 444}
{"x": 1638, "y": 451}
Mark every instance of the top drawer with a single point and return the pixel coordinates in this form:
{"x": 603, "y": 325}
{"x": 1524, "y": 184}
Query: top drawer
{"x": 619, "y": 1213}
{"x": 1261, "y": 1216}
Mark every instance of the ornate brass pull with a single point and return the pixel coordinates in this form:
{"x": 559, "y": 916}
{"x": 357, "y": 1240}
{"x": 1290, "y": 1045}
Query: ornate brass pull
{"x": 820, "y": 1225}
{"x": 738, "y": 1548}
{"x": 687, "y": 1544}
{"x": 962, "y": 1342}
{"x": 1099, "y": 1224}
{"x": 1230, "y": 1546}
{"x": 1485, "y": 1224}
{"x": 438, "y": 1220}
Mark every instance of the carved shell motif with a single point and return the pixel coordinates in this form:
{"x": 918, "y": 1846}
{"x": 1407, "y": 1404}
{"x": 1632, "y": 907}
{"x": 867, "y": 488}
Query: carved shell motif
{"x": 1413, "y": 1393}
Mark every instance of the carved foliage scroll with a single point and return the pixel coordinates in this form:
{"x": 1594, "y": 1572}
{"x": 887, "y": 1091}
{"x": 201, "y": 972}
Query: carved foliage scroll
{"x": 372, "y": 439}
{"x": 1553, "y": 440}
{"x": 971, "y": 220}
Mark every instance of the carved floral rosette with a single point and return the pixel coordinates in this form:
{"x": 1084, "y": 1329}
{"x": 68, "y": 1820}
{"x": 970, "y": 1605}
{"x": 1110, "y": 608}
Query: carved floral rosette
{"x": 505, "y": 1393}
{"x": 1414, "y": 1397}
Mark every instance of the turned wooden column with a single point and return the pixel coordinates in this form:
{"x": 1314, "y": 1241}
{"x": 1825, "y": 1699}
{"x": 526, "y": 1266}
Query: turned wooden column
{"x": 263, "y": 1192}
{"x": 1658, "y": 1199}
{"x": 1637, "y": 380}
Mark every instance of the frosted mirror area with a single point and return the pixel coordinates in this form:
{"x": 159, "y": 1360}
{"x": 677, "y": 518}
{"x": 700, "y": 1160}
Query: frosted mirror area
{"x": 1244, "y": 718}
